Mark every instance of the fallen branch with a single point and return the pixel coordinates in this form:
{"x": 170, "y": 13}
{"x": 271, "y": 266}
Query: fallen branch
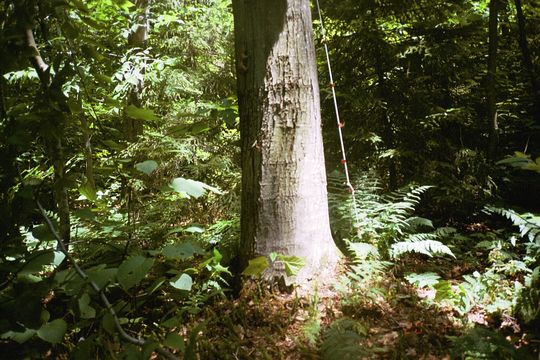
{"x": 103, "y": 297}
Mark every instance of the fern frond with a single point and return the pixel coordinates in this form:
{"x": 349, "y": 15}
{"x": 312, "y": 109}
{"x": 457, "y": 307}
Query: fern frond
{"x": 416, "y": 222}
{"x": 528, "y": 224}
{"x": 426, "y": 247}
{"x": 363, "y": 250}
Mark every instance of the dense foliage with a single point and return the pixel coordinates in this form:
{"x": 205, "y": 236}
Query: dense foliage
{"x": 119, "y": 135}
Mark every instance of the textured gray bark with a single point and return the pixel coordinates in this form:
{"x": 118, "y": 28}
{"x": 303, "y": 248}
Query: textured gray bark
{"x": 284, "y": 199}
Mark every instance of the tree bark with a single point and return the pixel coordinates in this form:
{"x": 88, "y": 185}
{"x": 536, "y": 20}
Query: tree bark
{"x": 137, "y": 39}
{"x": 52, "y": 136}
{"x": 491, "y": 79}
{"x": 284, "y": 199}
{"x": 527, "y": 61}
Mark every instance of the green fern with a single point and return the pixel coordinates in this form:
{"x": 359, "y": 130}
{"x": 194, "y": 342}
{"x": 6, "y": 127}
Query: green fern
{"x": 343, "y": 340}
{"x": 383, "y": 224}
{"x": 527, "y": 304}
{"x": 420, "y": 243}
{"x": 529, "y": 224}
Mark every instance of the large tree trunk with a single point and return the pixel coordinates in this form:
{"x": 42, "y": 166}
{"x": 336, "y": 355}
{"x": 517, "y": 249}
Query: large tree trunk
{"x": 284, "y": 199}
{"x": 491, "y": 80}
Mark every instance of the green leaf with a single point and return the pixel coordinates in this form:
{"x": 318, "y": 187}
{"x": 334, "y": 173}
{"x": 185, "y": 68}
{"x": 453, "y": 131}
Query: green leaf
{"x": 88, "y": 191}
{"x": 53, "y": 332}
{"x": 363, "y": 250}
{"x": 293, "y": 264}
{"x": 43, "y": 233}
{"x": 147, "y": 166}
{"x": 188, "y": 187}
{"x": 181, "y": 251}
{"x": 191, "y": 188}
{"x": 182, "y": 282}
{"x": 102, "y": 275}
{"x": 133, "y": 270}
{"x": 87, "y": 312}
{"x": 37, "y": 263}
{"x": 125, "y": 5}
{"x": 19, "y": 337}
{"x": 141, "y": 114}
{"x": 256, "y": 266}
{"x": 175, "y": 341}
{"x": 194, "y": 229}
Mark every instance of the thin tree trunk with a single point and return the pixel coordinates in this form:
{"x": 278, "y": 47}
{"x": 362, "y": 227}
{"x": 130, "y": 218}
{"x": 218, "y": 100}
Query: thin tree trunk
{"x": 491, "y": 80}
{"x": 138, "y": 39}
{"x": 52, "y": 138}
{"x": 388, "y": 133}
{"x": 527, "y": 61}
{"x": 8, "y": 169}
{"x": 89, "y": 168}
{"x": 284, "y": 199}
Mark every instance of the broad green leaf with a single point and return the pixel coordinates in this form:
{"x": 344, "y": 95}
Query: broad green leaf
{"x": 108, "y": 323}
{"x": 293, "y": 264}
{"x": 147, "y": 166}
{"x": 188, "y": 187}
{"x": 182, "y": 282}
{"x": 28, "y": 278}
{"x": 88, "y": 191}
{"x": 191, "y": 188}
{"x": 181, "y": 251}
{"x": 37, "y": 263}
{"x": 124, "y": 4}
{"x": 87, "y": 312}
{"x": 53, "y": 332}
{"x": 42, "y": 233}
{"x": 194, "y": 229}
{"x": 19, "y": 337}
{"x": 139, "y": 113}
{"x": 133, "y": 270}
{"x": 256, "y": 266}
{"x": 101, "y": 275}
{"x": 175, "y": 341}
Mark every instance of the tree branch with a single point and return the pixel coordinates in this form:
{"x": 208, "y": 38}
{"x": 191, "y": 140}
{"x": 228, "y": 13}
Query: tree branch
{"x": 39, "y": 64}
{"x": 103, "y": 297}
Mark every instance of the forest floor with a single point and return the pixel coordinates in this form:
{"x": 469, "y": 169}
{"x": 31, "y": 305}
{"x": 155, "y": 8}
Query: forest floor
{"x": 383, "y": 319}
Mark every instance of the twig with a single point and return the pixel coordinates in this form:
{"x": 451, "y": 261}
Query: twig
{"x": 103, "y": 297}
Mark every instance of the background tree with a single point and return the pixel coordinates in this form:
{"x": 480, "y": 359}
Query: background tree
{"x": 284, "y": 204}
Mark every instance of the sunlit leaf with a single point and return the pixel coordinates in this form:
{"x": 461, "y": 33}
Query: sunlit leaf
{"x": 147, "y": 166}
{"x": 256, "y": 266}
{"x": 139, "y": 113}
{"x": 182, "y": 282}
{"x": 191, "y": 188}
{"x": 37, "y": 262}
{"x": 194, "y": 229}
{"x": 293, "y": 264}
{"x": 88, "y": 191}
